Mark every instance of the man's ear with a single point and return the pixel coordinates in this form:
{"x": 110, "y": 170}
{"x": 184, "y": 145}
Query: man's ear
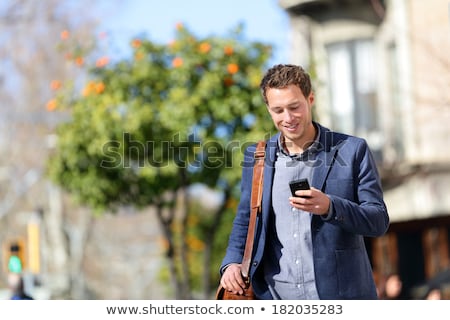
{"x": 311, "y": 98}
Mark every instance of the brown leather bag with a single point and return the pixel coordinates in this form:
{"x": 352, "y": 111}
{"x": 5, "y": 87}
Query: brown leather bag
{"x": 257, "y": 187}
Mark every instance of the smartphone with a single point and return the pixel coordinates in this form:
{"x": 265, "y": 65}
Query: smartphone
{"x": 300, "y": 184}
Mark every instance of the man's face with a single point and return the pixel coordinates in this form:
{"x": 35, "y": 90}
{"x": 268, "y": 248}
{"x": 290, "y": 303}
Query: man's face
{"x": 291, "y": 113}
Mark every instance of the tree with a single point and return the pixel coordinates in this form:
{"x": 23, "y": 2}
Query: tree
{"x": 147, "y": 127}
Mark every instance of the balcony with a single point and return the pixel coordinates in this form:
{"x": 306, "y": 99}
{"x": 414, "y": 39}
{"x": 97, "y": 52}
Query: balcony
{"x": 324, "y": 10}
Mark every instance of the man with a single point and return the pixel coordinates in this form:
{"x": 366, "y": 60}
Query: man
{"x": 311, "y": 245}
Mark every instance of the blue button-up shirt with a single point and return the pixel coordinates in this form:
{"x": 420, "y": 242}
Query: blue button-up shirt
{"x": 288, "y": 266}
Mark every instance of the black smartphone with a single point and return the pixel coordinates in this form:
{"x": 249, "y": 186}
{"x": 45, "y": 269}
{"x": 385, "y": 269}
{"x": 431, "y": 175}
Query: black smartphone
{"x": 300, "y": 184}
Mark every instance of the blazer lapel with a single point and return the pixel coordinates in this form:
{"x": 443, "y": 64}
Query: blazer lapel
{"x": 325, "y": 158}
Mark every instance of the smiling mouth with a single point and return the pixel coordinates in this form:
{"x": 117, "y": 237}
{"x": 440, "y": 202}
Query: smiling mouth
{"x": 291, "y": 127}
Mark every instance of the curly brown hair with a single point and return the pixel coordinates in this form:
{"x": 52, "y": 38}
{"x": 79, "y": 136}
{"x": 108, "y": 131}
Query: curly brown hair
{"x": 283, "y": 75}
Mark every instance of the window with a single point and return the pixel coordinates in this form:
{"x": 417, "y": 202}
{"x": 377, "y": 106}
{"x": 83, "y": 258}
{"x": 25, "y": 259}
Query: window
{"x": 353, "y": 88}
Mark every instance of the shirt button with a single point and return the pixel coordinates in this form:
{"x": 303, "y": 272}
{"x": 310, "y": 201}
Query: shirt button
{"x": 297, "y": 262}
{"x": 295, "y": 235}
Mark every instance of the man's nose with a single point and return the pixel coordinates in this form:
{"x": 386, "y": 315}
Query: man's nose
{"x": 287, "y": 116}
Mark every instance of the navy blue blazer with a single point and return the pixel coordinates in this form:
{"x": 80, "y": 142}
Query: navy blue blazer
{"x": 346, "y": 171}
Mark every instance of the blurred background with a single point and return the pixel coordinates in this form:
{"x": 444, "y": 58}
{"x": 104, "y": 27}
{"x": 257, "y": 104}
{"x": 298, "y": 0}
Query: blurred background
{"x": 123, "y": 125}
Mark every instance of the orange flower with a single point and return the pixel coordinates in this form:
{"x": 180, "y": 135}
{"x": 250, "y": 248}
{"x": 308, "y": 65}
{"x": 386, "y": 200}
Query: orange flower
{"x": 204, "y": 47}
{"x": 195, "y": 243}
{"x": 177, "y": 62}
{"x": 89, "y": 88}
{"x": 65, "y": 35}
{"x": 55, "y": 84}
{"x": 99, "y": 87}
{"x": 232, "y": 68}
{"x": 136, "y": 43}
{"x": 79, "y": 61}
{"x": 101, "y": 62}
{"x": 51, "y": 105}
{"x": 179, "y": 26}
{"x": 228, "y": 50}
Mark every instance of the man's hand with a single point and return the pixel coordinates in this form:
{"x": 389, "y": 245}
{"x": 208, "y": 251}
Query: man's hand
{"x": 232, "y": 279}
{"x": 312, "y": 200}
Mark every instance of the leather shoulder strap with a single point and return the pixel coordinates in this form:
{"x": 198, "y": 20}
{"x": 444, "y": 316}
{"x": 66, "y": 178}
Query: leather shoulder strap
{"x": 256, "y": 197}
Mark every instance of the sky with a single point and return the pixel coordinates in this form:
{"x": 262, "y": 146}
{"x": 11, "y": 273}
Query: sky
{"x": 264, "y": 20}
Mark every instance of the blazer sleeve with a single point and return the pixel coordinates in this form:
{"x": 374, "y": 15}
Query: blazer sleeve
{"x": 356, "y": 193}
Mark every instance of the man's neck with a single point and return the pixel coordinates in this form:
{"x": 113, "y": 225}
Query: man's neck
{"x": 298, "y": 147}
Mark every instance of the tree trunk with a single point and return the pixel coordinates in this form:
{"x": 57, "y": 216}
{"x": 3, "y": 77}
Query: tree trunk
{"x": 56, "y": 249}
{"x": 183, "y": 245}
{"x": 165, "y": 223}
{"x": 210, "y": 235}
